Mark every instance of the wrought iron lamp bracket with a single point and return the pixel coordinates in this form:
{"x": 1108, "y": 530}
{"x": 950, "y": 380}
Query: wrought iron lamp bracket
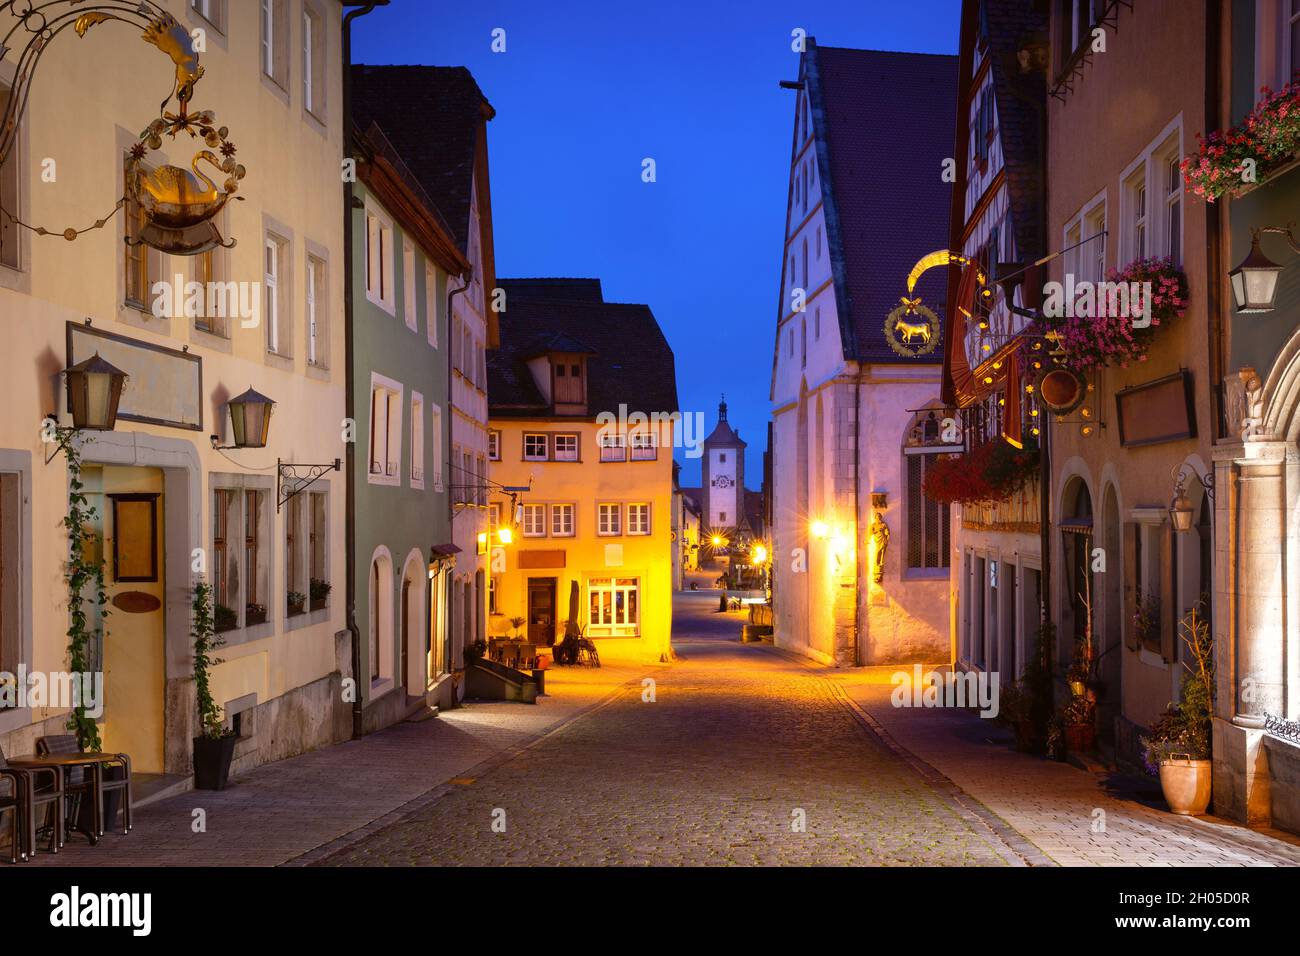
{"x": 1287, "y": 231}
{"x": 292, "y": 479}
{"x": 1180, "y": 472}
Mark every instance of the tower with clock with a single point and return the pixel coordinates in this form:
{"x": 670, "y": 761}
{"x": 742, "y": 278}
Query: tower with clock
{"x": 723, "y": 475}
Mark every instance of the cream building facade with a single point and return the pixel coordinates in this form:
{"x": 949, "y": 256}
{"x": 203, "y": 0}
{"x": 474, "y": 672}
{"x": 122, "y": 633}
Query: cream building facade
{"x": 859, "y": 557}
{"x": 273, "y": 77}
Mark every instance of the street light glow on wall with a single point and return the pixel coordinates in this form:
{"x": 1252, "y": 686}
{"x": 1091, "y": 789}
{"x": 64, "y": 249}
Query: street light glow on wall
{"x": 820, "y": 529}
{"x": 505, "y": 535}
{"x": 94, "y": 390}
{"x": 1254, "y": 281}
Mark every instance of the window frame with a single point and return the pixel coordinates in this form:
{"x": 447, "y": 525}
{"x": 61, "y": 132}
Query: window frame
{"x": 626, "y": 585}
{"x": 914, "y": 501}
{"x": 609, "y": 445}
{"x": 639, "y": 528}
{"x": 566, "y": 436}
{"x": 545, "y": 440}
{"x": 558, "y": 526}
{"x": 379, "y": 241}
{"x": 533, "y": 519}
{"x": 494, "y": 444}
{"x": 417, "y": 440}
{"x": 612, "y": 528}
{"x": 392, "y": 395}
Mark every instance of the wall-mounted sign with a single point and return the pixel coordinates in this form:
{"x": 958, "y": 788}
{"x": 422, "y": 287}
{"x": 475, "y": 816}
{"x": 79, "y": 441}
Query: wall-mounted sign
{"x": 163, "y": 387}
{"x": 135, "y": 537}
{"x": 1157, "y": 411}
{"x": 550, "y": 558}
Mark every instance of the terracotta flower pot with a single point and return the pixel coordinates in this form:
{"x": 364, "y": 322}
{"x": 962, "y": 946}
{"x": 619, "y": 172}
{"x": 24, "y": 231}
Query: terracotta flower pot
{"x": 1080, "y": 738}
{"x": 1186, "y": 785}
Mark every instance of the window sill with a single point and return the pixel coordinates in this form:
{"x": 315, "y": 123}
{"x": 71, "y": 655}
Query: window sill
{"x": 392, "y": 481}
{"x": 927, "y": 574}
{"x": 307, "y": 619}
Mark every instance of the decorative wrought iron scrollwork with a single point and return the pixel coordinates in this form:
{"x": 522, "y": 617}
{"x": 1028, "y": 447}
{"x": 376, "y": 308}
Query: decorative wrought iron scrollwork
{"x": 292, "y": 479}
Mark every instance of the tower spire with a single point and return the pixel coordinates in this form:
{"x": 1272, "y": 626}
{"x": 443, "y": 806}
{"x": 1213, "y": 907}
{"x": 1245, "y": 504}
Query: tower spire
{"x": 722, "y": 408}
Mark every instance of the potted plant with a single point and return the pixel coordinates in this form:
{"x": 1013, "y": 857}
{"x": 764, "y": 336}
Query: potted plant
{"x": 319, "y": 593}
{"x": 1079, "y": 717}
{"x": 215, "y": 746}
{"x": 1146, "y": 616}
{"x": 1178, "y": 748}
{"x": 297, "y": 602}
{"x": 1266, "y": 140}
{"x": 225, "y": 619}
{"x": 516, "y": 623}
{"x": 254, "y": 614}
{"x": 474, "y": 651}
{"x": 1016, "y": 709}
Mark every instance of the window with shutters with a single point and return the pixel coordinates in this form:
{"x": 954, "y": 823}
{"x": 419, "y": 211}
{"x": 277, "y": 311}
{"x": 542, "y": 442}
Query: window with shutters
{"x": 385, "y": 430}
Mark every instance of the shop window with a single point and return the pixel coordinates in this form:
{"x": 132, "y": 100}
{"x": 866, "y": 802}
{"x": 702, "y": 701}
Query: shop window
{"x": 613, "y": 607}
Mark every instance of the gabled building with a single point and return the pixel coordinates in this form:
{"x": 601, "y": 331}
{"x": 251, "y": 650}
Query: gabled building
{"x": 860, "y": 557}
{"x": 436, "y": 118}
{"x": 583, "y": 493}
{"x": 402, "y": 260}
{"x": 998, "y": 224}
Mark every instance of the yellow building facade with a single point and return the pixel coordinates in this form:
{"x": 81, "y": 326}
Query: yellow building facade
{"x": 581, "y": 486}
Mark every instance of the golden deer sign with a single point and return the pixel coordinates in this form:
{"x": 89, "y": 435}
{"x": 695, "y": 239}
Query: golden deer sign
{"x": 171, "y": 207}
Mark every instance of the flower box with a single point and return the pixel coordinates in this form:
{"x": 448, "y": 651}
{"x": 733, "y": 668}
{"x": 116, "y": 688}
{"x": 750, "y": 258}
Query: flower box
{"x": 994, "y": 471}
{"x": 1265, "y": 142}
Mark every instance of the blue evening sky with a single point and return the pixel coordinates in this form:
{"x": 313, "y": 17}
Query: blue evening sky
{"x": 586, "y": 90}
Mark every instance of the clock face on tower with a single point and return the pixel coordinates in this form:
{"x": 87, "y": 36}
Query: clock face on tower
{"x": 723, "y": 481}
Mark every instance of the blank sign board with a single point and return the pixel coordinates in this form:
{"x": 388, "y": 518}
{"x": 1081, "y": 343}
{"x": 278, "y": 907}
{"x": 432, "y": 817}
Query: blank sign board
{"x": 163, "y": 386}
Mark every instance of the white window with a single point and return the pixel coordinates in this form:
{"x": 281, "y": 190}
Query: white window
{"x": 1095, "y": 259}
{"x": 1172, "y": 192}
{"x": 379, "y": 261}
{"x": 417, "y": 440}
{"x": 431, "y": 299}
{"x": 275, "y": 41}
{"x": 613, "y": 448}
{"x": 408, "y": 284}
{"x": 613, "y": 606}
{"x": 535, "y": 446}
{"x": 211, "y": 10}
{"x": 566, "y": 447}
{"x": 609, "y": 519}
{"x": 1152, "y": 203}
{"x": 437, "y": 447}
{"x": 317, "y": 350}
{"x": 645, "y": 445}
{"x": 638, "y": 518}
{"x": 494, "y": 445}
{"x": 562, "y": 520}
{"x": 274, "y": 310}
{"x": 313, "y": 62}
{"x": 385, "y": 430}
{"x": 534, "y": 521}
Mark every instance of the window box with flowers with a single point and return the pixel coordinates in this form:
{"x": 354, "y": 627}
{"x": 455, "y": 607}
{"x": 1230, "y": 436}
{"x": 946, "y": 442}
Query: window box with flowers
{"x": 1106, "y": 334}
{"x": 993, "y": 471}
{"x": 1267, "y": 140}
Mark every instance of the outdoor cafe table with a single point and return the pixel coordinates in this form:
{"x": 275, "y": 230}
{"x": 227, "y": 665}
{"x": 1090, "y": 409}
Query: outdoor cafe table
{"x": 95, "y": 761}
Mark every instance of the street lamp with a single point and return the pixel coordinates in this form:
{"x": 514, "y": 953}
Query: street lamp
{"x": 250, "y": 419}
{"x": 1180, "y": 507}
{"x": 1254, "y": 281}
{"x": 94, "y": 390}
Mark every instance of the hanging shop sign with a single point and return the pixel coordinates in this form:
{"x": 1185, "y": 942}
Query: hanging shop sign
{"x": 175, "y": 205}
{"x": 912, "y": 329}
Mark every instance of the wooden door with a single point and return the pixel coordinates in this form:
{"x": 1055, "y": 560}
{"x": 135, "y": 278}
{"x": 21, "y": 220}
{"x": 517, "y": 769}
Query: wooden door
{"x": 541, "y": 611}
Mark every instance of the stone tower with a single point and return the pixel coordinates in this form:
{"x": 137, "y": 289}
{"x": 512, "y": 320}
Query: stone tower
{"x": 723, "y": 475}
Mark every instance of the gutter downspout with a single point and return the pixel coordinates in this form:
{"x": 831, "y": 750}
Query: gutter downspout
{"x": 857, "y": 516}
{"x": 466, "y": 278}
{"x": 350, "y": 397}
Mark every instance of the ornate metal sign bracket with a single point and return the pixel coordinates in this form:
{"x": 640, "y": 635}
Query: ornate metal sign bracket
{"x": 292, "y": 479}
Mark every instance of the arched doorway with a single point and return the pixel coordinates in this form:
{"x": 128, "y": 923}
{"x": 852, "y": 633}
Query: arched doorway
{"x": 380, "y": 647}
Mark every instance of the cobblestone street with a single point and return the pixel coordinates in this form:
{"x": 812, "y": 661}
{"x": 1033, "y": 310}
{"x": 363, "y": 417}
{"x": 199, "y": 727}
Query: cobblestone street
{"x": 741, "y": 745}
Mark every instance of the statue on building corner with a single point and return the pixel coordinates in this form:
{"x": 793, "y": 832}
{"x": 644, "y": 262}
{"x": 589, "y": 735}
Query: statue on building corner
{"x": 879, "y": 535}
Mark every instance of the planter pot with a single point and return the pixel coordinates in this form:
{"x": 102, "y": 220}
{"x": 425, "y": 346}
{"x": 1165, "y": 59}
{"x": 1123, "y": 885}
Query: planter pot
{"x": 1186, "y": 785}
{"x": 316, "y": 604}
{"x": 1080, "y": 738}
{"x": 296, "y": 608}
{"x": 112, "y": 804}
{"x": 212, "y": 761}
{"x": 1027, "y": 738}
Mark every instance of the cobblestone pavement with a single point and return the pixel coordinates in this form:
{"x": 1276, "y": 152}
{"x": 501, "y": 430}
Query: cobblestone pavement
{"x": 1074, "y": 817}
{"x": 739, "y": 746}
{"x": 286, "y": 810}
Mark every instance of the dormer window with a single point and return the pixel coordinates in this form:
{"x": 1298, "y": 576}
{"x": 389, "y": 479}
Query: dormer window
{"x": 569, "y": 388}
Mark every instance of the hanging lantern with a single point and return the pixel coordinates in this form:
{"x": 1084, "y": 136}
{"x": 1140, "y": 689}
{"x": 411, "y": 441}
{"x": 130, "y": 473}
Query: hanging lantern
{"x": 1180, "y": 508}
{"x": 1254, "y": 282}
{"x": 94, "y": 390}
{"x": 250, "y": 419}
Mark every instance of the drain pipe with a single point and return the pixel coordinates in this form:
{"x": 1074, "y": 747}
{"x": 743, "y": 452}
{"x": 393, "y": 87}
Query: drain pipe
{"x": 466, "y": 277}
{"x": 350, "y": 396}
